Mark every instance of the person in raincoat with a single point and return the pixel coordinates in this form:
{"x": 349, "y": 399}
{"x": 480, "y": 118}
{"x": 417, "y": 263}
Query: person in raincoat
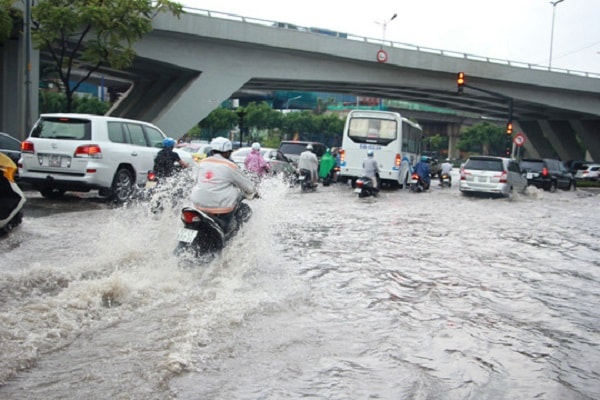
{"x": 255, "y": 162}
{"x": 326, "y": 166}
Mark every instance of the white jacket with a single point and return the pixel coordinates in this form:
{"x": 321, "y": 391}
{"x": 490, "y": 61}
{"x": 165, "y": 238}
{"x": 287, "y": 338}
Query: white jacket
{"x": 219, "y": 185}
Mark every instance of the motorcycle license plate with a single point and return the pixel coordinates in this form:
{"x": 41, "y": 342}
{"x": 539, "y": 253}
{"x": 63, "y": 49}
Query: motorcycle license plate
{"x": 301, "y": 177}
{"x": 357, "y": 190}
{"x": 151, "y": 184}
{"x": 186, "y": 235}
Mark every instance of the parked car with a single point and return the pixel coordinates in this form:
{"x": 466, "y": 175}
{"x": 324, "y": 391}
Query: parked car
{"x": 11, "y": 146}
{"x": 491, "y": 175}
{"x": 275, "y": 158}
{"x": 590, "y": 172}
{"x": 82, "y": 152}
{"x": 292, "y": 149}
{"x": 547, "y": 174}
{"x": 198, "y": 151}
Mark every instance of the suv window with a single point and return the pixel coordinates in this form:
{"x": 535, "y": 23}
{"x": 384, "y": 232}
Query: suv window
{"x": 136, "y": 134}
{"x": 484, "y": 164}
{"x": 115, "y": 132}
{"x": 63, "y": 128}
{"x": 154, "y": 136}
{"x": 298, "y": 147}
{"x": 532, "y": 165}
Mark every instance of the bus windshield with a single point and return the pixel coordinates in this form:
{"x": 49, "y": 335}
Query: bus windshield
{"x": 373, "y": 130}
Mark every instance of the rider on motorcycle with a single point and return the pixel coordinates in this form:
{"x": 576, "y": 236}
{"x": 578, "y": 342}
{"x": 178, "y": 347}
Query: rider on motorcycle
{"x": 220, "y": 185}
{"x": 308, "y": 160}
{"x": 445, "y": 169}
{"x": 164, "y": 163}
{"x": 371, "y": 169}
{"x": 255, "y": 162}
{"x": 326, "y": 166}
{"x": 424, "y": 171}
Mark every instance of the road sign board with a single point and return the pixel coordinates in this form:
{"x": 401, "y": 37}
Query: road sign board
{"x": 519, "y": 139}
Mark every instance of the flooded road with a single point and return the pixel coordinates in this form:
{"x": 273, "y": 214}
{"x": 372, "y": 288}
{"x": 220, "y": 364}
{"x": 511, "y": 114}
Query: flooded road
{"x": 321, "y": 296}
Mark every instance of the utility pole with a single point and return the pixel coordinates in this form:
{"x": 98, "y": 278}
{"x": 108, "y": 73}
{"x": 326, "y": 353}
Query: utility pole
{"x": 554, "y": 3}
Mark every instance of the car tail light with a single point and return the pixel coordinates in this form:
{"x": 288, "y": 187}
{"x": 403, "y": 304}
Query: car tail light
{"x": 88, "y": 151}
{"x": 188, "y": 216}
{"x": 585, "y": 172}
{"x": 544, "y": 171}
{"x": 398, "y": 160}
{"x": 463, "y": 174}
{"x": 503, "y": 177}
{"x": 27, "y": 147}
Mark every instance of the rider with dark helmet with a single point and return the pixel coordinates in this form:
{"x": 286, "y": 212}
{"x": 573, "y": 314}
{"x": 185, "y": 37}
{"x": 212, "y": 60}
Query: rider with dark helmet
{"x": 164, "y": 163}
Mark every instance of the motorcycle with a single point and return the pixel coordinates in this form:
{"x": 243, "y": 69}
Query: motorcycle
{"x": 445, "y": 180}
{"x": 417, "y": 184}
{"x": 12, "y": 198}
{"x": 364, "y": 187}
{"x": 304, "y": 178}
{"x": 205, "y": 235}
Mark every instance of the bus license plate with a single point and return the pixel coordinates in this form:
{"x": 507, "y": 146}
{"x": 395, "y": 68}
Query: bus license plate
{"x": 186, "y": 235}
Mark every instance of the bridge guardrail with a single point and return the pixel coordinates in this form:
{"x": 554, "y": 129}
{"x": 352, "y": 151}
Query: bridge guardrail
{"x": 389, "y": 43}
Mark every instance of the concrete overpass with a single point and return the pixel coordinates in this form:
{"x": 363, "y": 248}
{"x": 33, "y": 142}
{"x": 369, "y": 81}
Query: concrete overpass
{"x": 186, "y": 67}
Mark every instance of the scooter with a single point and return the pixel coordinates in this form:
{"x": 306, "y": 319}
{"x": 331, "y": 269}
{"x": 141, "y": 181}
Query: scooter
{"x": 304, "y": 178}
{"x": 364, "y": 187}
{"x": 445, "y": 180}
{"x": 417, "y": 184}
{"x": 206, "y": 235}
{"x": 12, "y": 198}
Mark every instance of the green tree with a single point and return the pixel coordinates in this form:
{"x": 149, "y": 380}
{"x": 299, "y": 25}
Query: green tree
{"x": 218, "y": 123}
{"x": 483, "y": 138}
{"x": 52, "y": 102}
{"x": 89, "y": 34}
{"x": 8, "y": 15}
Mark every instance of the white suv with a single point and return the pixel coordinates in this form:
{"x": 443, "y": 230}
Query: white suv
{"x": 83, "y": 152}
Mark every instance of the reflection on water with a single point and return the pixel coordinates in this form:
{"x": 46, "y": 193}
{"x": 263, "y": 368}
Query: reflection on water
{"x": 322, "y": 295}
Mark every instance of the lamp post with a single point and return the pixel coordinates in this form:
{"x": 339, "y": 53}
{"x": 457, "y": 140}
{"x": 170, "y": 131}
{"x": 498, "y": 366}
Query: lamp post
{"x": 287, "y": 104}
{"x": 554, "y": 3}
{"x": 385, "y": 22}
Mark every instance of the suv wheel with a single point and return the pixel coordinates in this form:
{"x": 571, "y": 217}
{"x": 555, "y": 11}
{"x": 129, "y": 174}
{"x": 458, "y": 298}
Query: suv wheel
{"x": 122, "y": 187}
{"x": 52, "y": 193}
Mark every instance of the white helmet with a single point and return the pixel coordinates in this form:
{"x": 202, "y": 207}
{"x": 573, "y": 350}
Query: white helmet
{"x": 309, "y": 147}
{"x": 221, "y": 144}
{"x": 255, "y": 146}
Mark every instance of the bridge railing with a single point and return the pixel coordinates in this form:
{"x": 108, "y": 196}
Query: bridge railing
{"x": 389, "y": 43}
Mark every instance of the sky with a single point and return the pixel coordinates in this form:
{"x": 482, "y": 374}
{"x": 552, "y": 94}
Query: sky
{"x": 515, "y": 30}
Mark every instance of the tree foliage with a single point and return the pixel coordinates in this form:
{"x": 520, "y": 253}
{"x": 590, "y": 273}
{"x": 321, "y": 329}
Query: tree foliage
{"x": 52, "y": 102}
{"x": 7, "y": 17}
{"x": 270, "y": 126}
{"x": 483, "y": 138}
{"x": 89, "y": 34}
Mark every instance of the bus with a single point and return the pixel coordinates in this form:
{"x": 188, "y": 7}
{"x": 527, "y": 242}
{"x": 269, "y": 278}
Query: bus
{"x": 395, "y": 141}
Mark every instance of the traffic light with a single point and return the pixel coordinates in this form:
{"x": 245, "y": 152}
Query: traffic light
{"x": 460, "y": 81}
{"x": 509, "y": 128}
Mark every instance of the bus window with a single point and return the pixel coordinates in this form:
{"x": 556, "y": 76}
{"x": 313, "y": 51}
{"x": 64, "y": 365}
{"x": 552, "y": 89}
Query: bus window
{"x": 370, "y": 130}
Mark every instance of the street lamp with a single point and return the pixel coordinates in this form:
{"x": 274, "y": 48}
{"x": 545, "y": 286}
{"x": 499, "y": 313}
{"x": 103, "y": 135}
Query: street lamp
{"x": 384, "y": 23}
{"x": 554, "y": 3}
{"x": 287, "y": 104}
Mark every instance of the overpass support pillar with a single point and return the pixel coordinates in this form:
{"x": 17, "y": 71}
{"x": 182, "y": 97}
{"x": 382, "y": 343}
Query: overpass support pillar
{"x": 562, "y": 138}
{"x": 589, "y": 133}
{"x": 453, "y": 131}
{"x": 536, "y": 146}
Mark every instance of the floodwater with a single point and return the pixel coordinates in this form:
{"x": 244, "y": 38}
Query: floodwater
{"x": 321, "y": 296}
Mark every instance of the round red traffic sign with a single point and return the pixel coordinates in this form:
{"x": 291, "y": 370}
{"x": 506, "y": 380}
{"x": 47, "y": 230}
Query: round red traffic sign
{"x": 519, "y": 139}
{"x": 382, "y": 56}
